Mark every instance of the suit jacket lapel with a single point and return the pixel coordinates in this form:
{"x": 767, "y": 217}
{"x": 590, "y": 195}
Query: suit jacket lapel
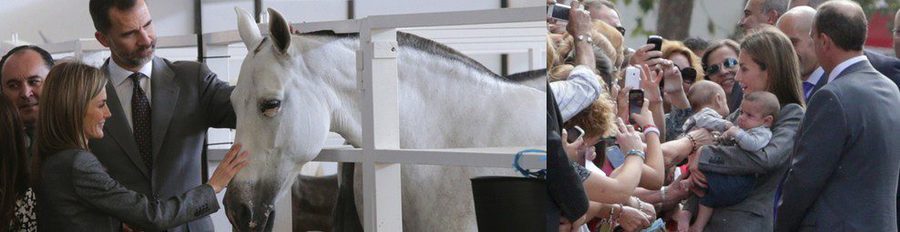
{"x": 165, "y": 99}
{"x": 821, "y": 83}
{"x": 117, "y": 126}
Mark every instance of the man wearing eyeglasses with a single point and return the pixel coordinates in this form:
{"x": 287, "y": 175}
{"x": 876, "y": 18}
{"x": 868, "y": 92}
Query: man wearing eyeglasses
{"x": 605, "y": 11}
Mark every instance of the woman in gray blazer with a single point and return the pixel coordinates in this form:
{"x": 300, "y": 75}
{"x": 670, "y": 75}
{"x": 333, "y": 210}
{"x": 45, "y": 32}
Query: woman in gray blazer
{"x": 74, "y": 191}
{"x": 767, "y": 63}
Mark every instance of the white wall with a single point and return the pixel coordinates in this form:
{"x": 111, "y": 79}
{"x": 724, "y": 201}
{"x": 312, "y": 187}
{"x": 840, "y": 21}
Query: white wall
{"x": 62, "y": 20}
{"x": 175, "y": 17}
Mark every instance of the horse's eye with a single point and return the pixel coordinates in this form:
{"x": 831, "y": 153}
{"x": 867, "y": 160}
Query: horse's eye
{"x": 270, "y": 107}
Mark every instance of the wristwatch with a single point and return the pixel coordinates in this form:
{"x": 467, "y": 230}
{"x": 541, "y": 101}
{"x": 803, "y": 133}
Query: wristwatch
{"x": 585, "y": 37}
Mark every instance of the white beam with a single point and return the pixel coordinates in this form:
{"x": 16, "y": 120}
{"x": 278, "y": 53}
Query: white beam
{"x": 497, "y": 157}
{"x": 379, "y": 83}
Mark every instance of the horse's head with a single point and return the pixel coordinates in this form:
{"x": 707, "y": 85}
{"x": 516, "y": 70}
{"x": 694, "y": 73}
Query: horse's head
{"x": 281, "y": 120}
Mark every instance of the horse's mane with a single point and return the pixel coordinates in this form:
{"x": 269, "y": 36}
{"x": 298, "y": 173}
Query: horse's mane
{"x": 527, "y": 75}
{"x": 407, "y": 40}
{"x": 431, "y": 47}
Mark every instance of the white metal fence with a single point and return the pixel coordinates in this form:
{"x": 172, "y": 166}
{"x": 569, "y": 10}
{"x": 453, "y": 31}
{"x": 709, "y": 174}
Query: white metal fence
{"x": 513, "y": 30}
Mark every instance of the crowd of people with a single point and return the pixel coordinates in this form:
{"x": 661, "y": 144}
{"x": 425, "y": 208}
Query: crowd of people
{"x": 786, "y": 129}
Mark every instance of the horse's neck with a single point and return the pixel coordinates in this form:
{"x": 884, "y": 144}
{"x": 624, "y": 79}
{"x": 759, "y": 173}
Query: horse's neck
{"x": 431, "y": 91}
{"x": 330, "y": 62}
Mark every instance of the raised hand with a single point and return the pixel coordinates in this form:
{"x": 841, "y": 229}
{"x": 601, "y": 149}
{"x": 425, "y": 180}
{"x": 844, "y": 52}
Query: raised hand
{"x": 230, "y": 166}
{"x": 644, "y": 56}
{"x": 628, "y": 139}
{"x": 650, "y": 83}
{"x": 645, "y": 118}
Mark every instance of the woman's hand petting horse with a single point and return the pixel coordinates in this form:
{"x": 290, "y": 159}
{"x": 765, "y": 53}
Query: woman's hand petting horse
{"x": 230, "y": 166}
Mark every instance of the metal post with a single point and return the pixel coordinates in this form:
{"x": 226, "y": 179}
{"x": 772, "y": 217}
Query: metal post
{"x": 198, "y": 30}
{"x": 257, "y": 10}
{"x": 351, "y": 11}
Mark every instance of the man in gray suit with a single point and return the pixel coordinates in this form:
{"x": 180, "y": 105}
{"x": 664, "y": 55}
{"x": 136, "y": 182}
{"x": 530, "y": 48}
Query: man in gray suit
{"x": 161, "y": 110}
{"x": 846, "y": 163}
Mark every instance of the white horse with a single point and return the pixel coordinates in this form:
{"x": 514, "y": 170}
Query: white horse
{"x": 294, "y": 89}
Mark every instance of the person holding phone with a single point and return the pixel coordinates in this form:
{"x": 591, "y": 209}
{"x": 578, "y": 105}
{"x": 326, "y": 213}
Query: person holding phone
{"x": 75, "y": 193}
{"x": 564, "y": 100}
{"x": 582, "y": 87}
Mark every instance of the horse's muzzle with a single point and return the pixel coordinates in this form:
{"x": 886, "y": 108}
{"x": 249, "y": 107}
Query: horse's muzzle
{"x": 270, "y": 108}
{"x": 246, "y": 216}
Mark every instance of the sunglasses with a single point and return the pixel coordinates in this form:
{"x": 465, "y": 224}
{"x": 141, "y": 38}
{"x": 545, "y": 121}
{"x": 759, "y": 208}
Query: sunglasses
{"x": 688, "y": 75}
{"x": 714, "y": 69}
{"x": 621, "y": 29}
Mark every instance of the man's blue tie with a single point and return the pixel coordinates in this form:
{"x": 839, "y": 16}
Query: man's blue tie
{"x": 807, "y": 87}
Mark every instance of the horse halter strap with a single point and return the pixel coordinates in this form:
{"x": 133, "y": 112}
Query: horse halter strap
{"x": 540, "y": 174}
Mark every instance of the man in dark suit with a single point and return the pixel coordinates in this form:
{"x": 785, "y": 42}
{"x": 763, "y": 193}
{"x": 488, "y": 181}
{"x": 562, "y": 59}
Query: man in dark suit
{"x": 566, "y": 191}
{"x": 896, "y": 32}
{"x": 886, "y": 65}
{"x": 845, "y": 167}
{"x": 161, "y": 110}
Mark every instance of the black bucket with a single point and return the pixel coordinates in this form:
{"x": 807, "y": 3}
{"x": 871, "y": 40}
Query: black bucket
{"x": 510, "y": 203}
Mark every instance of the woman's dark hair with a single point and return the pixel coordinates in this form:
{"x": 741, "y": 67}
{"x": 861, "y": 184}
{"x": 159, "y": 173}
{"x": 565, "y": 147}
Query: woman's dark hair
{"x": 13, "y": 158}
{"x": 100, "y": 12}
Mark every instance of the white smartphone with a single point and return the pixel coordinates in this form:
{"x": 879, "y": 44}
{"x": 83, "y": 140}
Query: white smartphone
{"x": 633, "y": 77}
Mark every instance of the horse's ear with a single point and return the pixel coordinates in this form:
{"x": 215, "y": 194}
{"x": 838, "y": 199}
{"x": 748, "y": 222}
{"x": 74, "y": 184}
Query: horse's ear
{"x": 247, "y": 28}
{"x": 279, "y": 30}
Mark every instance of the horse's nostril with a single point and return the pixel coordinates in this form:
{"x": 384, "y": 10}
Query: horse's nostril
{"x": 269, "y": 221}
